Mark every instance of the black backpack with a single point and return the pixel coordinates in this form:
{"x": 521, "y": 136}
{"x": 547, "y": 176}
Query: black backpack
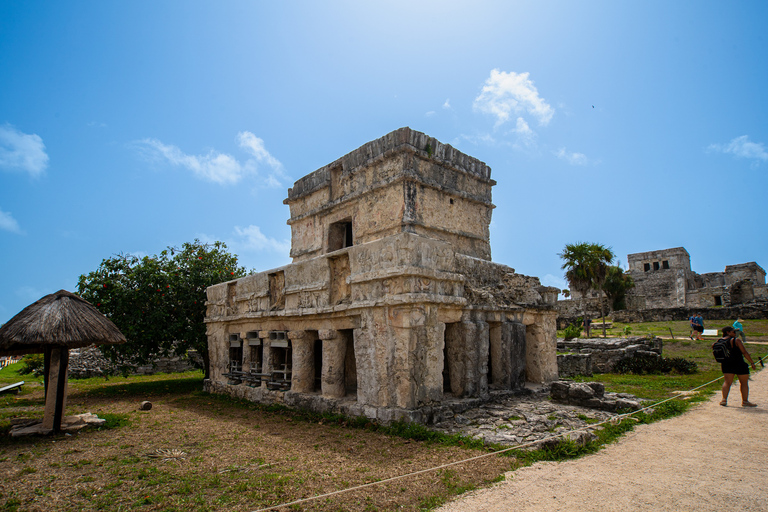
{"x": 721, "y": 351}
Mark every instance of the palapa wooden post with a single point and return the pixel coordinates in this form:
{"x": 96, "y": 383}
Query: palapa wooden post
{"x": 56, "y": 400}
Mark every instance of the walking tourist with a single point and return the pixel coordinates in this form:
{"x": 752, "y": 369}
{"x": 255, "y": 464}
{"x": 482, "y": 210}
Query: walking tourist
{"x": 739, "y": 330}
{"x": 735, "y": 366}
{"x": 698, "y": 326}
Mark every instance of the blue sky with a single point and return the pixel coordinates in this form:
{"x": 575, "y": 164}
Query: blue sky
{"x": 127, "y": 127}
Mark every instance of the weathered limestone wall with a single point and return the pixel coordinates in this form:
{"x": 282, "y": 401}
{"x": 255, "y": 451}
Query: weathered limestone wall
{"x": 428, "y": 187}
{"x": 755, "y": 310}
{"x": 90, "y": 362}
{"x": 744, "y": 271}
{"x": 677, "y": 258}
{"x": 661, "y": 288}
{"x": 606, "y": 352}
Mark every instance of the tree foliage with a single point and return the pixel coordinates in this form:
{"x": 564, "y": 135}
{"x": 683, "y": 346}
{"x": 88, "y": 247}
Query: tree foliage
{"x": 586, "y": 267}
{"x": 158, "y": 302}
{"x": 616, "y": 284}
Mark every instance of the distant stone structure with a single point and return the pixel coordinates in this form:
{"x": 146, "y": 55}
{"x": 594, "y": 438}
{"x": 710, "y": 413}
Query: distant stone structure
{"x": 392, "y": 307}
{"x": 666, "y": 288}
{"x": 664, "y": 279}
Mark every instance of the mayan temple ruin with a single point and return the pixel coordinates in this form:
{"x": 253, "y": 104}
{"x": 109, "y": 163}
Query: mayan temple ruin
{"x": 392, "y": 307}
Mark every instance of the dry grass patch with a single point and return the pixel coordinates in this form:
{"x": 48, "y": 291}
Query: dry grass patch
{"x": 220, "y": 454}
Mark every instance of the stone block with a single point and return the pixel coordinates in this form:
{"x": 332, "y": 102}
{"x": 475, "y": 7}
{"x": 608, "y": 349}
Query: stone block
{"x": 580, "y": 391}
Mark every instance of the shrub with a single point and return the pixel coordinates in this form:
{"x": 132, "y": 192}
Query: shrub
{"x": 649, "y": 365}
{"x": 627, "y": 330}
{"x": 32, "y": 363}
{"x": 572, "y": 331}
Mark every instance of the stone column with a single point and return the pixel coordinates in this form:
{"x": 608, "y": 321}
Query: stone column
{"x": 266, "y": 357}
{"x": 541, "y": 346}
{"x": 507, "y": 355}
{"x": 513, "y": 336}
{"x": 246, "y": 359}
{"x": 334, "y": 353}
{"x": 303, "y": 363}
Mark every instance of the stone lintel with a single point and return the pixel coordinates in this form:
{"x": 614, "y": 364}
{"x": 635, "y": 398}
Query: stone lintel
{"x": 298, "y": 335}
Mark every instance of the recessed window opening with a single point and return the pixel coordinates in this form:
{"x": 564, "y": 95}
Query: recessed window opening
{"x": 256, "y": 353}
{"x": 235, "y": 353}
{"x": 655, "y": 265}
{"x": 279, "y": 360}
{"x": 340, "y": 235}
{"x": 451, "y": 337}
{"x": 718, "y": 300}
{"x": 350, "y": 365}
{"x": 665, "y": 264}
{"x": 318, "y": 361}
{"x": 646, "y": 267}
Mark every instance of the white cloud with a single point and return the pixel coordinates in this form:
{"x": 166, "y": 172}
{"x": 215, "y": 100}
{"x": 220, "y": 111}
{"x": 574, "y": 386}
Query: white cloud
{"x": 251, "y": 238}
{"x": 255, "y": 146}
{"x": 8, "y": 223}
{"x": 572, "y": 158}
{"x": 21, "y": 151}
{"x": 742, "y": 147}
{"x": 220, "y": 167}
{"x": 476, "y": 140}
{"x": 447, "y": 103}
{"x": 524, "y": 132}
{"x": 430, "y": 113}
{"x": 505, "y": 95}
{"x": 216, "y": 167}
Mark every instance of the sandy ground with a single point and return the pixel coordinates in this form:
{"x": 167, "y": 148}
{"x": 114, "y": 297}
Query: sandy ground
{"x": 712, "y": 458}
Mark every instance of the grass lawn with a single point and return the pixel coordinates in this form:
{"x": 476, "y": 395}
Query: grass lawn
{"x": 680, "y": 329}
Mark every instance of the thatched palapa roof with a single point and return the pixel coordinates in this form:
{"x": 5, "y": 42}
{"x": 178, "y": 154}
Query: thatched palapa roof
{"x": 61, "y": 319}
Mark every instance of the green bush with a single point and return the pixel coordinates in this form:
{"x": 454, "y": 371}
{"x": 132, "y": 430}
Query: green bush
{"x": 32, "y": 363}
{"x": 649, "y": 365}
{"x": 572, "y": 331}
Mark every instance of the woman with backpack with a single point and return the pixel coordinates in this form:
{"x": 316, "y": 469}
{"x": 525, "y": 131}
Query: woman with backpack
{"x": 735, "y": 366}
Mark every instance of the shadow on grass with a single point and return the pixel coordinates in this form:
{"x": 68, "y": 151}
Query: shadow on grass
{"x": 143, "y": 389}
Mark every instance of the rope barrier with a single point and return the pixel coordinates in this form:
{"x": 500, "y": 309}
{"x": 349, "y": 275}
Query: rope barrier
{"x": 614, "y": 420}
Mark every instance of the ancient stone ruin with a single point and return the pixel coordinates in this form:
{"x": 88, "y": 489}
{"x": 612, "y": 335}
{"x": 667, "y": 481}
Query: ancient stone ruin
{"x": 392, "y": 307}
{"x": 666, "y": 288}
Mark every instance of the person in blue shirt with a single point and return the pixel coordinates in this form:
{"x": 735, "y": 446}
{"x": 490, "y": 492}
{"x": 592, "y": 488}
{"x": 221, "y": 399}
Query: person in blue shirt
{"x": 698, "y": 326}
{"x": 739, "y": 330}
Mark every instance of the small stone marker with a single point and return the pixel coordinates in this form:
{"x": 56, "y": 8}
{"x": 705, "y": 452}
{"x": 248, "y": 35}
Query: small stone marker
{"x": 145, "y": 405}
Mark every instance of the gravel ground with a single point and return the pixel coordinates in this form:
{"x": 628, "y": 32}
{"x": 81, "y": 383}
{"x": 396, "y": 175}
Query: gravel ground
{"x": 711, "y": 458}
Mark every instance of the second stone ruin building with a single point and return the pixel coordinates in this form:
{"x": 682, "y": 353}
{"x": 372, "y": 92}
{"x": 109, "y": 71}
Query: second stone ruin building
{"x": 664, "y": 279}
{"x": 392, "y": 307}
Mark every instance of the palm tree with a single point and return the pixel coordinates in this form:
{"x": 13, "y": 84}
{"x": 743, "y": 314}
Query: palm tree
{"x": 586, "y": 267}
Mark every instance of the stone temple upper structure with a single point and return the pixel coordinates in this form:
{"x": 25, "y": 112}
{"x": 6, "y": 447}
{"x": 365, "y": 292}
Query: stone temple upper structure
{"x": 392, "y": 307}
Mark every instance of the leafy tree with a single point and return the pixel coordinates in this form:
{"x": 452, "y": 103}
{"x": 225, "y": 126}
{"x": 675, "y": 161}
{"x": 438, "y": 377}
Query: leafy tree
{"x": 616, "y": 284}
{"x": 158, "y": 302}
{"x": 586, "y": 266}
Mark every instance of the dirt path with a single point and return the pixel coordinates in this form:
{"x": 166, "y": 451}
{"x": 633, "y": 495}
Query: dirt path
{"x": 712, "y": 458}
